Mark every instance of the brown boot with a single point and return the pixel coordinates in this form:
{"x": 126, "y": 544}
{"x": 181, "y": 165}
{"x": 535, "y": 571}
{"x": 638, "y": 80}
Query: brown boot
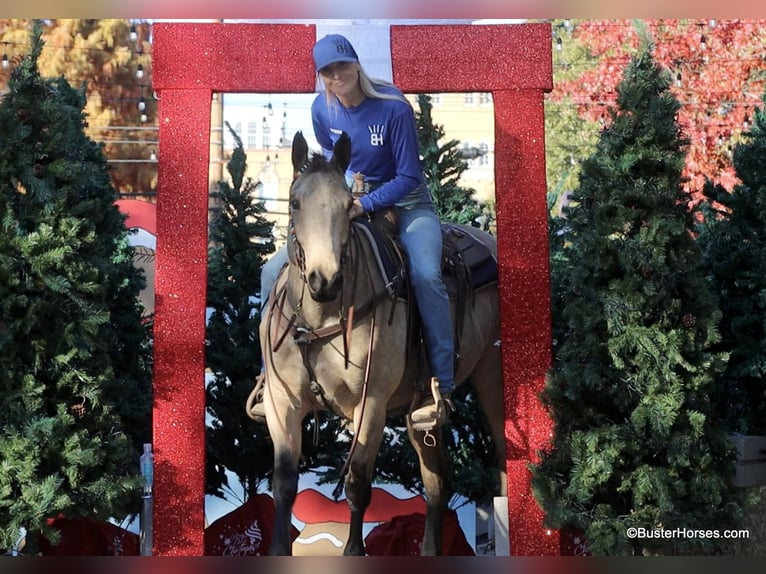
{"x": 254, "y": 404}
{"x": 433, "y": 410}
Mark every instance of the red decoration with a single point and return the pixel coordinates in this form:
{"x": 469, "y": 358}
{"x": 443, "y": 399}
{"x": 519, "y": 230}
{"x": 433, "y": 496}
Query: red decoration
{"x": 245, "y": 531}
{"x": 403, "y": 535}
{"x": 191, "y": 61}
{"x": 312, "y": 506}
{"x": 140, "y": 214}
{"x": 573, "y": 542}
{"x": 86, "y": 537}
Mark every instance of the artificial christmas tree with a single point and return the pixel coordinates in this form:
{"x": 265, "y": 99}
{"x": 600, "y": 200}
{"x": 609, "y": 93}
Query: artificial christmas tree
{"x": 443, "y": 165}
{"x": 733, "y": 241}
{"x": 74, "y": 353}
{"x": 240, "y": 242}
{"x": 637, "y": 443}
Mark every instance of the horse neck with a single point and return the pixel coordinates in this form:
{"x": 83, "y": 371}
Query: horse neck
{"x": 362, "y": 279}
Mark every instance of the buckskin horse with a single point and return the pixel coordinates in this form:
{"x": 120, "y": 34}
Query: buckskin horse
{"x": 336, "y": 335}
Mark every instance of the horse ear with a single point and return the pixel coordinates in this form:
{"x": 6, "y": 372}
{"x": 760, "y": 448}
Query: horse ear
{"x": 300, "y": 154}
{"x": 341, "y": 153}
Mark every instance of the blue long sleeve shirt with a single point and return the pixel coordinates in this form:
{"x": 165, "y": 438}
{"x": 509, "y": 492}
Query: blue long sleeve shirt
{"x": 384, "y": 146}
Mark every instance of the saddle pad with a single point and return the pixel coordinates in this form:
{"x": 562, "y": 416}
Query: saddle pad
{"x": 466, "y": 255}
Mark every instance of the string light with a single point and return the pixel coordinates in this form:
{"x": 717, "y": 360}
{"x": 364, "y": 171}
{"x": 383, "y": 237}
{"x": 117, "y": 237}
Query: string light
{"x": 133, "y": 35}
{"x": 558, "y": 43}
{"x": 6, "y": 63}
{"x": 139, "y": 71}
{"x": 153, "y": 155}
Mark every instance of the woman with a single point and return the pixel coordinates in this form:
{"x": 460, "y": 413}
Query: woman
{"x": 385, "y": 157}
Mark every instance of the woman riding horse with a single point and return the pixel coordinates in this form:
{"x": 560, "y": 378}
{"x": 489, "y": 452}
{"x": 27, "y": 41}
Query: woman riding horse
{"x": 385, "y": 172}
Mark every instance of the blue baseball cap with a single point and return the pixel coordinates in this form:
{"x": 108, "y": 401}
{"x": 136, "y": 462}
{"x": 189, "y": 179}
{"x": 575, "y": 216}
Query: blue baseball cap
{"x": 333, "y": 48}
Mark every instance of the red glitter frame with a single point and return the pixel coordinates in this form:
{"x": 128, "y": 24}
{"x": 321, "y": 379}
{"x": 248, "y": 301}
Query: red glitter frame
{"x": 190, "y": 63}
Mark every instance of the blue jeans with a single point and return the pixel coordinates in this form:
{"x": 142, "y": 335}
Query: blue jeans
{"x": 421, "y": 237}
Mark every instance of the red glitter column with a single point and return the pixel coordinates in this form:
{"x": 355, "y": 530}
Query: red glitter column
{"x": 521, "y": 209}
{"x": 191, "y": 61}
{"x": 179, "y": 329}
{"x": 514, "y": 63}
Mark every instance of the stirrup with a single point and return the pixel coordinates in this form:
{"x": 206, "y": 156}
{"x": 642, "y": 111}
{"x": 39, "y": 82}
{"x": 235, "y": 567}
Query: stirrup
{"x": 433, "y": 411}
{"x": 254, "y": 404}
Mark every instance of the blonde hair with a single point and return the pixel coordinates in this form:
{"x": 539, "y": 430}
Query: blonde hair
{"x": 369, "y": 87}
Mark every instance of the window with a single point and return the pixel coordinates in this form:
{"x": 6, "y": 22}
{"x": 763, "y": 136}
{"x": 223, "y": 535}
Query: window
{"x": 484, "y": 157}
{"x": 252, "y": 135}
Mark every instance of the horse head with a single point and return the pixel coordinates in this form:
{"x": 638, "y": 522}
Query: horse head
{"x": 319, "y": 222}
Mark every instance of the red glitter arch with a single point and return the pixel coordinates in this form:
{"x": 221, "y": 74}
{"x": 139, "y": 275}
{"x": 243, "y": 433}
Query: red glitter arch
{"x": 190, "y": 63}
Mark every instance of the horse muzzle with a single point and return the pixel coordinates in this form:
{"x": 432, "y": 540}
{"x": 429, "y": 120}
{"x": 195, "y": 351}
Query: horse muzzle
{"x": 322, "y": 289}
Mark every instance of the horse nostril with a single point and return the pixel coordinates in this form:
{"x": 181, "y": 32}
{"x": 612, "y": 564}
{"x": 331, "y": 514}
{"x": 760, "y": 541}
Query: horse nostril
{"x": 317, "y": 281}
{"x": 323, "y": 289}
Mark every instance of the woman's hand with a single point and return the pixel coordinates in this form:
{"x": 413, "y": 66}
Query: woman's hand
{"x": 356, "y": 209}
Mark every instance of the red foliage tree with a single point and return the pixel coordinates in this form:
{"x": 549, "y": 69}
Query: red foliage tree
{"x": 719, "y": 67}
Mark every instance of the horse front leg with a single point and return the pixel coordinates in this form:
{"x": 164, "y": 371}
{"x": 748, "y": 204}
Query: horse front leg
{"x": 286, "y": 436}
{"x": 434, "y": 469}
{"x": 285, "y": 489}
{"x": 361, "y": 468}
{"x": 358, "y": 495}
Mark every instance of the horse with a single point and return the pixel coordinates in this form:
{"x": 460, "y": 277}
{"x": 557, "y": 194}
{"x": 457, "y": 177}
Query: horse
{"x": 334, "y": 338}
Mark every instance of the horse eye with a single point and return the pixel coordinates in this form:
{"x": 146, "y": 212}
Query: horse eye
{"x": 295, "y": 204}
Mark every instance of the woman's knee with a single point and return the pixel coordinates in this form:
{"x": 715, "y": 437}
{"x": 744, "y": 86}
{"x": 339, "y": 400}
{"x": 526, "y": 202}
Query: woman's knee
{"x": 424, "y": 277}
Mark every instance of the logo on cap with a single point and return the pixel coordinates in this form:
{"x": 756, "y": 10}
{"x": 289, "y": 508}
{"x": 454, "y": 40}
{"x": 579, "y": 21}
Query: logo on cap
{"x": 342, "y": 46}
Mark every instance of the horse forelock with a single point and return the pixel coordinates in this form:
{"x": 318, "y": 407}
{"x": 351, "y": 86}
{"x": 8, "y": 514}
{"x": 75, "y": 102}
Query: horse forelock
{"x": 318, "y": 163}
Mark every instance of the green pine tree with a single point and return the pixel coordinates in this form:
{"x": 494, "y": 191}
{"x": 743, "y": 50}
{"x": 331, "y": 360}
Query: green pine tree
{"x": 636, "y": 440}
{"x": 443, "y": 165}
{"x": 241, "y": 239}
{"x": 733, "y": 241}
{"x": 75, "y": 356}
